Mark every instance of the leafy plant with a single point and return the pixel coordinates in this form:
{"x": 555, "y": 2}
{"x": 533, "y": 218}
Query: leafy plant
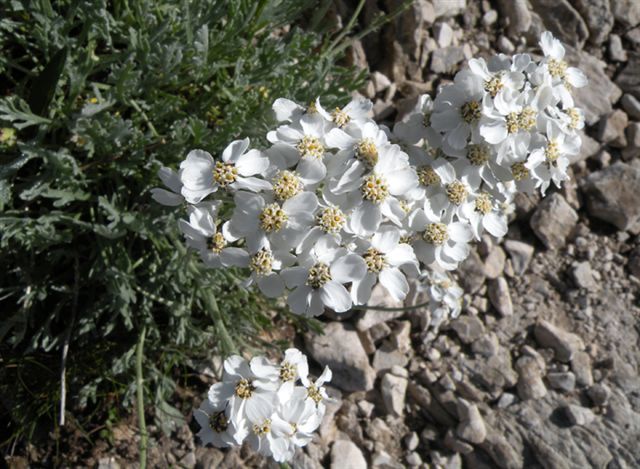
{"x": 98, "y": 96}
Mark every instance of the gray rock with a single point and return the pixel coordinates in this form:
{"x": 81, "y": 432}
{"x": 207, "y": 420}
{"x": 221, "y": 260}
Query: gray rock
{"x": 563, "y": 21}
{"x": 346, "y": 455}
{"x": 456, "y": 444}
{"x": 581, "y": 366}
{"x": 107, "y": 463}
{"x": 471, "y": 272}
{"x": 489, "y": 18}
{"x": 616, "y": 51}
{"x": 517, "y": 14}
{"x": 613, "y": 196}
{"x": 578, "y": 415}
{"x": 387, "y": 357}
{"x": 505, "y": 46}
{"x": 471, "y": 427}
{"x": 413, "y": 459}
{"x": 627, "y": 12}
{"x": 553, "y": 221}
{"x": 486, "y": 346}
{"x": 448, "y": 7}
{"x": 611, "y": 128}
{"x": 631, "y": 106}
{"x": 583, "y": 275}
{"x": 394, "y": 390}
{"x": 443, "y": 34}
{"x": 380, "y": 81}
{"x": 629, "y": 78}
{"x": 634, "y": 262}
{"x": 411, "y": 441}
{"x": 589, "y": 148}
{"x": 506, "y": 399}
{"x": 500, "y": 296}
{"x": 520, "y": 253}
{"x": 494, "y": 263}
{"x": 562, "y": 381}
{"x": 530, "y": 384}
{"x": 446, "y": 59}
{"x": 188, "y": 460}
{"x": 599, "y": 394}
{"x": 593, "y": 104}
{"x": 633, "y": 134}
{"x": 467, "y": 328}
{"x": 340, "y": 349}
{"x": 597, "y": 15}
{"x": 564, "y": 344}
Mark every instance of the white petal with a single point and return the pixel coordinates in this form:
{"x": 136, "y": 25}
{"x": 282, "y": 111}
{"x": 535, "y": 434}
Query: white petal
{"x": 170, "y": 178}
{"x": 234, "y": 150}
{"x": 348, "y": 268}
{"x": 311, "y": 170}
{"x": 298, "y": 299}
{"x": 305, "y": 202}
{"x": 164, "y": 197}
{"x": 366, "y": 218}
{"x": 576, "y": 77}
{"x": 361, "y": 289}
{"x": 286, "y": 109}
{"x": 235, "y": 257}
{"x": 460, "y": 232}
{"x": 386, "y": 238}
{"x": 395, "y": 282}
{"x": 253, "y": 184}
{"x": 456, "y": 251}
{"x": 335, "y": 296}
{"x": 494, "y": 132}
{"x": 495, "y": 224}
{"x": 271, "y": 285}
{"x": 401, "y": 254}
{"x": 338, "y": 138}
{"x": 251, "y": 163}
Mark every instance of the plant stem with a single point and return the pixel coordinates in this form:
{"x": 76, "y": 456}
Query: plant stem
{"x": 140, "y": 398}
{"x": 67, "y": 339}
{"x": 384, "y": 308}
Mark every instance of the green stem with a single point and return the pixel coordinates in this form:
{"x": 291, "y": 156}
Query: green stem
{"x": 140, "y": 399}
{"x": 384, "y": 308}
{"x": 212, "y": 305}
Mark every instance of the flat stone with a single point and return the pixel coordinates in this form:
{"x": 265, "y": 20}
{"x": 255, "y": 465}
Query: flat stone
{"x": 380, "y": 81}
{"x": 371, "y": 317}
{"x": 613, "y": 196}
{"x": 467, "y": 328}
{"x": 589, "y": 148}
{"x": 616, "y": 50}
{"x": 340, "y": 349}
{"x": 581, "y": 367}
{"x": 443, "y": 34}
{"x": 413, "y": 459}
{"x": 578, "y": 415}
{"x": 394, "y": 389}
{"x": 486, "y": 346}
{"x": 563, "y": 343}
{"x": 583, "y": 275}
{"x": 505, "y": 46}
{"x": 597, "y": 15}
{"x": 631, "y": 106}
{"x": 471, "y": 272}
{"x": 494, "y": 263}
{"x": 599, "y": 394}
{"x": 506, "y": 399}
{"x": 562, "y": 381}
{"x": 387, "y": 357}
{"x": 562, "y": 20}
{"x": 345, "y": 454}
{"x": 446, "y": 59}
{"x": 520, "y": 253}
{"x": 448, "y": 7}
{"x": 471, "y": 427}
{"x": 500, "y": 296}
{"x": 593, "y": 104}
{"x": 517, "y": 14}
{"x": 530, "y": 384}
{"x": 553, "y": 221}
{"x": 633, "y": 134}
{"x": 611, "y": 129}
{"x": 634, "y": 262}
{"x": 629, "y": 78}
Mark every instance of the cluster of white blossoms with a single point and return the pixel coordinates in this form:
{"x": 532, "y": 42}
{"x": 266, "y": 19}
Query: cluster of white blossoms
{"x": 261, "y": 403}
{"x": 338, "y": 203}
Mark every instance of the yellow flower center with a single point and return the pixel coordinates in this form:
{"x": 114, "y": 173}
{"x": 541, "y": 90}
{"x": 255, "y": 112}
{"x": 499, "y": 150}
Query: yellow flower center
{"x": 375, "y": 189}
{"x": 216, "y": 243}
{"x": 244, "y": 389}
{"x": 457, "y": 192}
{"x": 557, "y": 68}
{"x": 512, "y": 122}
{"x": 527, "y": 118}
{"x": 478, "y": 154}
{"x": 367, "y": 152}
{"x": 263, "y": 428}
{"x": 519, "y": 171}
{"x": 319, "y": 274}
{"x": 436, "y": 233}
{"x": 261, "y": 262}
{"x": 427, "y": 176}
{"x": 494, "y": 85}
{"x": 375, "y": 260}
{"x": 483, "y": 203}
{"x": 225, "y": 174}
{"x": 272, "y": 218}
{"x": 331, "y": 219}
{"x": 340, "y": 117}
{"x": 552, "y": 152}
{"x": 311, "y": 108}
{"x": 288, "y": 372}
{"x": 310, "y": 146}
{"x": 286, "y": 185}
{"x": 574, "y": 117}
{"x": 314, "y": 393}
{"x": 426, "y": 119}
{"x": 470, "y": 112}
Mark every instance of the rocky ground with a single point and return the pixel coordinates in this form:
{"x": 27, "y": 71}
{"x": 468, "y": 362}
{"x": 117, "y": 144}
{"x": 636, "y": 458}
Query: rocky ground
{"x": 541, "y": 369}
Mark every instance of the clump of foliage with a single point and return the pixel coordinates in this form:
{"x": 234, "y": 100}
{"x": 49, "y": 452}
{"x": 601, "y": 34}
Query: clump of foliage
{"x": 97, "y": 95}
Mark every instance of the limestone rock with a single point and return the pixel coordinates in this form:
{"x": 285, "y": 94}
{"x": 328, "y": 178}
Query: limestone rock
{"x": 631, "y": 105}
{"x": 578, "y": 415}
{"x": 494, "y": 263}
{"x": 518, "y": 15}
{"x": 520, "y": 253}
{"x": 500, "y": 296}
{"x": 563, "y": 381}
{"x": 597, "y": 15}
{"x": 471, "y": 427}
{"x": 468, "y": 328}
{"x": 613, "y": 196}
{"x": 530, "y": 384}
{"x": 562, "y": 20}
{"x": 346, "y": 455}
{"x": 553, "y": 221}
{"x": 612, "y": 127}
{"x": 340, "y": 349}
{"x": 563, "y": 343}
{"x": 446, "y": 59}
{"x": 627, "y": 12}
{"x": 629, "y": 78}
{"x": 394, "y": 389}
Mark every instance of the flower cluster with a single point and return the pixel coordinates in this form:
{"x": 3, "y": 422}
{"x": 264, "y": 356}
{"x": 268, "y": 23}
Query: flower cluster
{"x": 338, "y": 203}
{"x": 260, "y": 402}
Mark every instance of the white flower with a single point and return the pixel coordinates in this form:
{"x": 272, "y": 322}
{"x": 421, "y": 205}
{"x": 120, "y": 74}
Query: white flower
{"x": 484, "y": 214}
{"x": 442, "y": 244}
{"x": 499, "y": 78}
{"x": 358, "y": 111}
{"x": 201, "y": 175}
{"x": 171, "y": 180}
{"x": 264, "y": 265}
{"x": 316, "y": 391}
{"x": 318, "y": 281}
{"x": 417, "y": 125}
{"x": 554, "y": 53}
{"x": 216, "y": 427}
{"x": 383, "y": 258}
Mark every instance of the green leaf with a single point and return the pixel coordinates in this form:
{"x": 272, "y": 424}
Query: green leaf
{"x": 43, "y": 87}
